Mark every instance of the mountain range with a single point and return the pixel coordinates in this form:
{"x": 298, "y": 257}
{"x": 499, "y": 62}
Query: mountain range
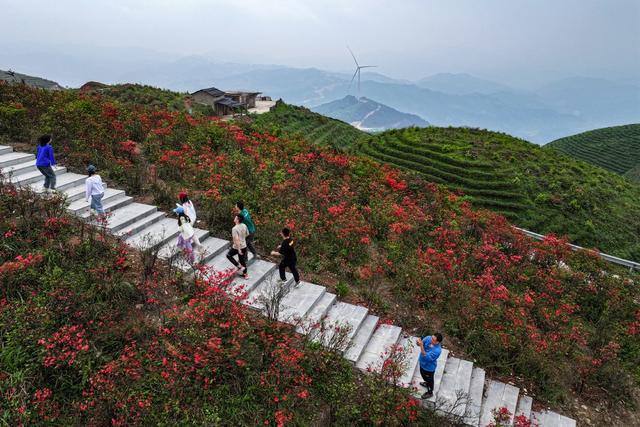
{"x": 369, "y": 115}
{"x": 559, "y": 108}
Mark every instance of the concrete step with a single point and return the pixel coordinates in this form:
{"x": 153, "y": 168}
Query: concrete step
{"x": 498, "y": 395}
{"x": 266, "y": 291}
{"x": 476, "y": 390}
{"x": 378, "y": 348}
{"x": 171, "y": 245}
{"x": 297, "y": 303}
{"x": 19, "y": 168}
{"x": 524, "y": 407}
{"x": 111, "y": 200}
{"x": 454, "y": 388}
{"x": 134, "y": 213}
{"x": 5, "y": 149}
{"x": 259, "y": 270}
{"x": 63, "y": 182}
{"x": 345, "y": 317}
{"x": 437, "y": 377}
{"x": 359, "y": 342}
{"x": 157, "y": 234}
{"x": 551, "y": 419}
{"x": 36, "y": 177}
{"x": 75, "y": 193}
{"x": 412, "y": 354}
{"x": 311, "y": 322}
{"x": 13, "y": 158}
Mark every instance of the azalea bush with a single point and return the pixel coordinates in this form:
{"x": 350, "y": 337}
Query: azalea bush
{"x": 87, "y": 339}
{"x": 410, "y": 250}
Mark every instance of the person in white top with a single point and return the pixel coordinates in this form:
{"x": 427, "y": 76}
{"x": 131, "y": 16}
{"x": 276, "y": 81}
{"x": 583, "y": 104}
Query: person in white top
{"x": 239, "y": 234}
{"x": 187, "y": 237}
{"x": 94, "y": 190}
{"x": 190, "y": 211}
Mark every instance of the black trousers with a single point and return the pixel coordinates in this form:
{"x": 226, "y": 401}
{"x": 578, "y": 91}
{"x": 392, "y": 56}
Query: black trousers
{"x": 49, "y": 176}
{"x": 428, "y": 378}
{"x": 250, "y": 246}
{"x": 242, "y": 257}
{"x": 292, "y": 266}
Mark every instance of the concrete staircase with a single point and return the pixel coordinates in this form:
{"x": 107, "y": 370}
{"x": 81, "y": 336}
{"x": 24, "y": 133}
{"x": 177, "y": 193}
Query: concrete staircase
{"x": 461, "y": 389}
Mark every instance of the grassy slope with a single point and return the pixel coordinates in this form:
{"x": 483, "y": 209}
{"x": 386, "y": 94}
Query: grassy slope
{"x": 536, "y": 188}
{"x": 614, "y": 148}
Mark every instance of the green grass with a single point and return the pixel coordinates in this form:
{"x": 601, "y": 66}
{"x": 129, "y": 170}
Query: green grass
{"x": 614, "y": 148}
{"x": 536, "y": 188}
{"x": 285, "y": 120}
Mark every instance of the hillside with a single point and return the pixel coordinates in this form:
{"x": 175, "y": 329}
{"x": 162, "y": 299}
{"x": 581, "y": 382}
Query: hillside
{"x": 368, "y": 115}
{"x": 615, "y": 148}
{"x": 373, "y": 234}
{"x": 536, "y": 188}
{"x": 300, "y": 122}
{"x": 39, "y": 82}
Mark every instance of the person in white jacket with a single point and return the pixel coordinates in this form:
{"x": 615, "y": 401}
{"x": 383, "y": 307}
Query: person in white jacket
{"x": 190, "y": 211}
{"x": 187, "y": 234}
{"x": 94, "y": 190}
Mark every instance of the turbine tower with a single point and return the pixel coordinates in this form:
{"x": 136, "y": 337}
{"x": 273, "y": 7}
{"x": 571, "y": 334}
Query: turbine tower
{"x": 358, "y": 68}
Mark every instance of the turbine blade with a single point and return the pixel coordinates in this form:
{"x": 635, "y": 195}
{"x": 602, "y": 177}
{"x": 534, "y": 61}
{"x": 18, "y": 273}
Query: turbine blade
{"x": 368, "y": 66}
{"x": 353, "y": 56}
{"x": 354, "y": 76}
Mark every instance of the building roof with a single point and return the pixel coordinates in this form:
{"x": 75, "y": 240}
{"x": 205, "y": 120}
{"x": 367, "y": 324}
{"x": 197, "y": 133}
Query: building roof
{"x": 211, "y": 91}
{"x": 241, "y": 92}
{"x": 229, "y": 103}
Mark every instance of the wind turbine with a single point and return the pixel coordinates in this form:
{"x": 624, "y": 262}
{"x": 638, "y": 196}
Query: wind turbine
{"x": 358, "y": 68}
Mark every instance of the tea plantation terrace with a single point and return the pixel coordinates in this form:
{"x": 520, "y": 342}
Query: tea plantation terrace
{"x": 369, "y": 341}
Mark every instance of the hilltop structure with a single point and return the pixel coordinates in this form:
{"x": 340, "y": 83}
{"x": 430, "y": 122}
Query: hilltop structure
{"x": 226, "y": 103}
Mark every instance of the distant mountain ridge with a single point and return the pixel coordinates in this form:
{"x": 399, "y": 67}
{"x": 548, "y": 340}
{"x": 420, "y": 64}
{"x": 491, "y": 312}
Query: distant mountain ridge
{"x": 13, "y": 77}
{"x": 367, "y": 114}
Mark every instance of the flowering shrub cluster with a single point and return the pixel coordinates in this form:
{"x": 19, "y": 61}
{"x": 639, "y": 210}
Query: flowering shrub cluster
{"x": 88, "y": 340}
{"x": 406, "y": 247}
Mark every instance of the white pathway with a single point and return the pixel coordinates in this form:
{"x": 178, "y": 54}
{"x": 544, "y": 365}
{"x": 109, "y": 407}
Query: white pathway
{"x": 461, "y": 389}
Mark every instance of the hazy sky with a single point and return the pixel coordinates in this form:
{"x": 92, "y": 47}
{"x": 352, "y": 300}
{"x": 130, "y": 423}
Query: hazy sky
{"x": 514, "y": 40}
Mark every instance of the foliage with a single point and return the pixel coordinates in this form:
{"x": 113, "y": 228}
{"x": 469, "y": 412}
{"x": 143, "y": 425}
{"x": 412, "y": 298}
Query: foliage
{"x": 87, "y": 340}
{"x": 614, "y": 148}
{"x": 406, "y": 246}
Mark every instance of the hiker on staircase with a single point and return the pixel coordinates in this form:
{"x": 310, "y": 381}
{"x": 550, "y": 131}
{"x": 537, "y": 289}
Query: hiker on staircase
{"x": 187, "y": 233}
{"x": 239, "y": 234}
{"x": 246, "y": 219}
{"x": 288, "y": 254}
{"x": 430, "y": 350}
{"x": 190, "y": 211}
{"x": 45, "y": 162}
{"x": 94, "y": 190}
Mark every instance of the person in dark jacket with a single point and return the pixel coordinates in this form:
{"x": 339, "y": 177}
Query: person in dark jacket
{"x": 45, "y": 162}
{"x": 288, "y": 254}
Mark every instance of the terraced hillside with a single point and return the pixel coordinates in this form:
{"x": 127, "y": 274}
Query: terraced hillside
{"x": 301, "y": 122}
{"x": 445, "y": 161}
{"x": 534, "y": 187}
{"x": 614, "y": 148}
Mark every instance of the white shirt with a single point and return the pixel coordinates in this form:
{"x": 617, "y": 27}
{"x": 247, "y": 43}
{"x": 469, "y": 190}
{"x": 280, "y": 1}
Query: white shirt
{"x": 94, "y": 186}
{"x": 239, "y": 233}
{"x": 190, "y": 210}
{"x": 186, "y": 229}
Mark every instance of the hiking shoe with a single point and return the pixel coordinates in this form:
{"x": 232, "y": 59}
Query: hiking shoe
{"x": 423, "y": 384}
{"x": 427, "y": 395}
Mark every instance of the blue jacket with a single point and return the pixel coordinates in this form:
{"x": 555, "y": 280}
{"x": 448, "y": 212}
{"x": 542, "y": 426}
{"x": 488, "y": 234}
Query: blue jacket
{"x": 44, "y": 155}
{"x": 429, "y": 361}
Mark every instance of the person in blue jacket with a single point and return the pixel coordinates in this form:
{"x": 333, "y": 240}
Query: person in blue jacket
{"x": 45, "y": 162}
{"x": 430, "y": 350}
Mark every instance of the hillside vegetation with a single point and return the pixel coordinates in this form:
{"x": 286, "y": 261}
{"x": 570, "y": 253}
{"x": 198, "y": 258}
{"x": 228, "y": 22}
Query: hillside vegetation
{"x": 614, "y": 148}
{"x": 412, "y": 251}
{"x": 538, "y": 189}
